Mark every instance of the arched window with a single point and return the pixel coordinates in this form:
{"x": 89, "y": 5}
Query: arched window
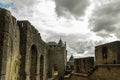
{"x": 33, "y": 65}
{"x": 41, "y": 67}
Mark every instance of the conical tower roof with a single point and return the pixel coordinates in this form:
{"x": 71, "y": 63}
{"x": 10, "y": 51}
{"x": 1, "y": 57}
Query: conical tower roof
{"x": 60, "y": 42}
{"x": 71, "y": 58}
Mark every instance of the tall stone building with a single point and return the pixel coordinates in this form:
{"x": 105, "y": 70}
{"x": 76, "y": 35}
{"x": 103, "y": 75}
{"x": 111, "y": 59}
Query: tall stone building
{"x": 23, "y": 54}
{"x": 57, "y": 58}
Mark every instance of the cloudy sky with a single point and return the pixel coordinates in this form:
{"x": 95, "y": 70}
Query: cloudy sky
{"x": 83, "y": 24}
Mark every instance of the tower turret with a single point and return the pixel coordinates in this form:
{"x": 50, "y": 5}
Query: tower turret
{"x": 60, "y": 43}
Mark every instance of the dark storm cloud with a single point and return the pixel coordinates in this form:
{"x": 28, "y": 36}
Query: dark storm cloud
{"x": 74, "y": 7}
{"x": 106, "y": 18}
{"x": 103, "y": 24}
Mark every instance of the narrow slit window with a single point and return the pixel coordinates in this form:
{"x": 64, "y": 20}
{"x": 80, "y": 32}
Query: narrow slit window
{"x": 104, "y": 52}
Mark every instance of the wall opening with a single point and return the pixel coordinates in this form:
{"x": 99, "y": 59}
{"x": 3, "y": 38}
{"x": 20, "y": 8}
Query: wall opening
{"x": 114, "y": 61}
{"x": 33, "y": 65}
{"x": 41, "y": 67}
{"x": 54, "y": 70}
{"x": 104, "y": 54}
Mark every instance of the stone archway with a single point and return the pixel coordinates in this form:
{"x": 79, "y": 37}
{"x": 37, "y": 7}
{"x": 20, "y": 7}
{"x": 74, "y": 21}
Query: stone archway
{"x": 41, "y": 67}
{"x": 33, "y": 65}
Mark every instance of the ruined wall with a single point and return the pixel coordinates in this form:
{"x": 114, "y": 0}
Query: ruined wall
{"x": 33, "y": 51}
{"x": 24, "y": 55}
{"x": 9, "y": 37}
{"x": 57, "y": 57}
{"x": 112, "y": 53}
{"x": 102, "y": 72}
{"x": 83, "y": 65}
{"x": 107, "y": 64}
{"x": 23, "y": 52}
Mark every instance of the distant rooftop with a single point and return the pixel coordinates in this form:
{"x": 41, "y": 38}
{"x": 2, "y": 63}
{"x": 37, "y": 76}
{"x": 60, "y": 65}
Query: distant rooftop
{"x": 60, "y": 43}
{"x": 77, "y": 56}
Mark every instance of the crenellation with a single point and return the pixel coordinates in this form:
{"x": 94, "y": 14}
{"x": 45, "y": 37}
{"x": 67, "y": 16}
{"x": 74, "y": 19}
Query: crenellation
{"x": 55, "y": 47}
{"x": 57, "y": 59}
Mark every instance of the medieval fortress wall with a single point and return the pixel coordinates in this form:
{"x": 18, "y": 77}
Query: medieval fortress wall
{"x": 23, "y": 54}
{"x": 106, "y": 66}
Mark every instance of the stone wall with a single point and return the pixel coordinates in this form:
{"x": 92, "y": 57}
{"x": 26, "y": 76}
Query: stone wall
{"x": 10, "y": 57}
{"x": 32, "y": 49}
{"x": 102, "y": 72}
{"x": 23, "y": 52}
{"x": 107, "y": 65}
{"x": 57, "y": 58}
{"x": 83, "y": 65}
{"x": 106, "y": 72}
{"x": 112, "y": 53}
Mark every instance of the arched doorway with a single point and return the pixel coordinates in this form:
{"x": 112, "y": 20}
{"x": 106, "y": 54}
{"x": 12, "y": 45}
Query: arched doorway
{"x": 33, "y": 65}
{"x": 41, "y": 67}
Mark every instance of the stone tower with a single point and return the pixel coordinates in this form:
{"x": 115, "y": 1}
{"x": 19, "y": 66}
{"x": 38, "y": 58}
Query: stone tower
{"x": 57, "y": 56}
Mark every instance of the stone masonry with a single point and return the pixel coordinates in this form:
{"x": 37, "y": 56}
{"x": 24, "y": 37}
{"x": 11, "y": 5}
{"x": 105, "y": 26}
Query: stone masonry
{"x": 83, "y": 65}
{"x": 106, "y": 66}
{"x": 108, "y": 53}
{"x": 23, "y": 54}
{"x": 57, "y": 57}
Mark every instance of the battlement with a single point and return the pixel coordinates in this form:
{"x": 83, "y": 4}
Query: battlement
{"x": 55, "y": 46}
